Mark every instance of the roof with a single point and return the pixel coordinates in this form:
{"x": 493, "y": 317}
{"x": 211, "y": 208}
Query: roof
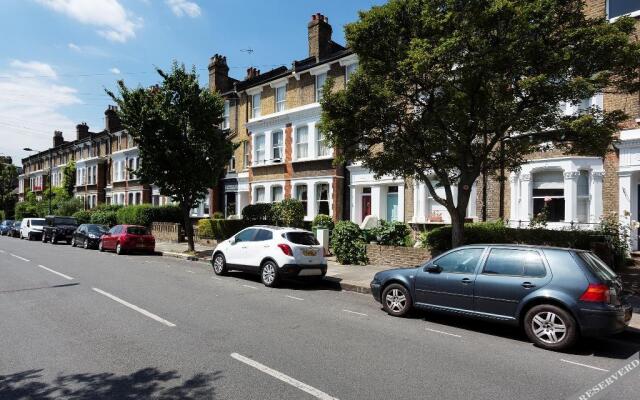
{"x": 278, "y": 228}
{"x": 518, "y": 245}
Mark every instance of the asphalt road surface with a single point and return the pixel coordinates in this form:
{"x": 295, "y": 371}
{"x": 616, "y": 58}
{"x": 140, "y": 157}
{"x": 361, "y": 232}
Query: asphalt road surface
{"x": 82, "y": 324}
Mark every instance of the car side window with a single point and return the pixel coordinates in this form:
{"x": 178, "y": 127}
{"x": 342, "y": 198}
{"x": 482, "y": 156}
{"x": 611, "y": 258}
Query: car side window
{"x": 463, "y": 261}
{"x": 263, "y": 235}
{"x": 514, "y": 263}
{"x": 115, "y": 230}
{"x": 246, "y": 235}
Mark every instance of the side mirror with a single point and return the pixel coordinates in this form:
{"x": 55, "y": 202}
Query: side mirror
{"x": 434, "y": 269}
{"x": 232, "y": 240}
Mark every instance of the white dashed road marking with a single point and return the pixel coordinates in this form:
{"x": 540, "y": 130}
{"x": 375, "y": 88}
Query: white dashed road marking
{"x": 250, "y": 287}
{"x": 284, "y": 378}
{"x": 19, "y": 258}
{"x": 56, "y": 272}
{"x": 135, "y": 308}
{"x": 444, "y": 333}
{"x": 355, "y": 312}
{"x": 295, "y": 298}
{"x": 584, "y": 365}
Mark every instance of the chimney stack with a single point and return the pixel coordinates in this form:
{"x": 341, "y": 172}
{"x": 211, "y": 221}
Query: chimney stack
{"x": 252, "y": 72}
{"x": 219, "y": 74}
{"x": 58, "y": 140}
{"x": 111, "y": 120}
{"x": 82, "y": 131}
{"x": 319, "y": 36}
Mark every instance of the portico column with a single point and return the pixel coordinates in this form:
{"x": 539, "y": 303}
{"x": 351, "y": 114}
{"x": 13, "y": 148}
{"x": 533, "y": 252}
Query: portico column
{"x": 628, "y": 203}
{"x": 513, "y": 182}
{"x": 422, "y": 200}
{"x": 311, "y": 200}
{"x": 401, "y": 203}
{"x": 570, "y": 195}
{"x": 376, "y": 203}
{"x": 353, "y": 195}
{"x": 415, "y": 201}
{"x": 595, "y": 192}
{"x": 525, "y": 198}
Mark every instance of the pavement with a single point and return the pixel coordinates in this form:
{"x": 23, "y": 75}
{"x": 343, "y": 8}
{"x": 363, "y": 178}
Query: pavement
{"x": 81, "y": 324}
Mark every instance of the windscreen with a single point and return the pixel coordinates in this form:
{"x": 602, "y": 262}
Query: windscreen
{"x": 303, "y": 238}
{"x": 97, "y": 229}
{"x": 137, "y": 230}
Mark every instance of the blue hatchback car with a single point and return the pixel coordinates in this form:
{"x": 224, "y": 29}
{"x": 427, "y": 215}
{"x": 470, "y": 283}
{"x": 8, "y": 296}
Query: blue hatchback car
{"x": 557, "y": 295}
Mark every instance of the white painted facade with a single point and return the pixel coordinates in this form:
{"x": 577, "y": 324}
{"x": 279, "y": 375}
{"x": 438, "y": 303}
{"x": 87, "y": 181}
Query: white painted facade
{"x": 382, "y": 198}
{"x": 629, "y": 180}
{"x": 427, "y": 210}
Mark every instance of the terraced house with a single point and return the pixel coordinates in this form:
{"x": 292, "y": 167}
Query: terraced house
{"x": 274, "y": 116}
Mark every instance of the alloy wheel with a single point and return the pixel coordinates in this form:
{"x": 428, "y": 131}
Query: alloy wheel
{"x": 73, "y": 241}
{"x": 85, "y": 244}
{"x": 396, "y": 300}
{"x": 548, "y": 327}
{"x": 218, "y": 264}
{"x": 268, "y": 273}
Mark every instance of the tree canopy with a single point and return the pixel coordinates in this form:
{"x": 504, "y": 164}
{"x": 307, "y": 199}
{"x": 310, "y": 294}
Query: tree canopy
{"x": 176, "y": 127}
{"x": 446, "y": 89}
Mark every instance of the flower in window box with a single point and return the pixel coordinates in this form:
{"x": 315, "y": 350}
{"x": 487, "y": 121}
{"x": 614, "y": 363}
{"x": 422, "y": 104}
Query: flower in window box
{"x": 547, "y": 199}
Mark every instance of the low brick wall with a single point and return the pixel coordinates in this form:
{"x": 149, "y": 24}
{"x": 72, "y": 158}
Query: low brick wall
{"x": 395, "y": 256}
{"x": 167, "y": 232}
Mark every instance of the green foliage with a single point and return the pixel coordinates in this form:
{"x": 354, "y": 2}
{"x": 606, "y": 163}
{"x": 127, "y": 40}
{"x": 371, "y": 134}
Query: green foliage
{"x": 69, "y": 178}
{"x": 260, "y": 213}
{"x": 617, "y": 235}
{"x": 67, "y": 206}
{"x": 220, "y": 229}
{"x": 217, "y": 215}
{"x": 439, "y": 239}
{"x": 8, "y": 182}
{"x": 322, "y": 221}
{"x": 107, "y": 207}
{"x": 288, "y": 212}
{"x": 389, "y": 233}
{"x": 83, "y": 216}
{"x": 104, "y": 217}
{"x": 205, "y": 228}
{"x": 453, "y": 80}
{"x": 176, "y": 127}
{"x": 347, "y": 243}
{"x": 146, "y": 214}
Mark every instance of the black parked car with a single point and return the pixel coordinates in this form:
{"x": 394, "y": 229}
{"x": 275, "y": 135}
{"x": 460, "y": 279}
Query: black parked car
{"x": 14, "y": 231}
{"x": 88, "y": 235}
{"x": 5, "y": 226}
{"x": 556, "y": 295}
{"x": 58, "y": 228}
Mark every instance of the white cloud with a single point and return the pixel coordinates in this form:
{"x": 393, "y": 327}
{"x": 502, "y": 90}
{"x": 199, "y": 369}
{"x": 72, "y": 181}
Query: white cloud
{"x": 115, "y": 70}
{"x": 184, "y": 7}
{"x": 75, "y": 47}
{"x": 87, "y": 50}
{"x": 113, "y": 21}
{"x": 30, "y": 108}
{"x": 33, "y": 69}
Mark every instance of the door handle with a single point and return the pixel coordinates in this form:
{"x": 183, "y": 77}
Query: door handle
{"x": 528, "y": 285}
{"x": 466, "y": 281}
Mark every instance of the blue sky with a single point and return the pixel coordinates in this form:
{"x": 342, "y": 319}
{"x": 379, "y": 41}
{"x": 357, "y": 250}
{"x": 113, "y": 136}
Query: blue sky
{"x": 57, "y": 56}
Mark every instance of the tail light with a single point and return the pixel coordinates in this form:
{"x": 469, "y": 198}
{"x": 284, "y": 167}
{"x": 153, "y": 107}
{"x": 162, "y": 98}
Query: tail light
{"x": 286, "y": 249}
{"x": 596, "y": 293}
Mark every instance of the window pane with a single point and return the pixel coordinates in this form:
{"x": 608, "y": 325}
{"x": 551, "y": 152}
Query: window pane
{"x": 533, "y": 265}
{"x": 320, "y": 79}
{"x": 583, "y": 183}
{"x": 255, "y": 103}
{"x": 262, "y": 235}
{"x": 460, "y": 261}
{"x": 245, "y": 236}
{"x": 504, "y": 262}
{"x": 621, "y": 7}
{"x": 302, "y": 139}
{"x": 554, "y": 208}
{"x": 277, "y": 145}
{"x": 323, "y": 149}
{"x": 276, "y": 194}
{"x": 260, "y": 195}
{"x": 260, "y": 141}
{"x": 322, "y": 197}
{"x": 301, "y": 194}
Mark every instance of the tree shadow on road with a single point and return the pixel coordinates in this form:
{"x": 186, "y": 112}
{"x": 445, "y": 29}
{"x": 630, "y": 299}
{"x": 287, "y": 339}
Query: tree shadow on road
{"x": 147, "y": 383}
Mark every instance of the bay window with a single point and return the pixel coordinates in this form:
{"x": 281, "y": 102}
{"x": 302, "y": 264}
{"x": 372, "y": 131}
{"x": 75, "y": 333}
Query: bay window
{"x": 302, "y": 142}
{"x": 582, "y": 213}
{"x": 548, "y": 195}
{"x": 301, "y": 195}
{"x": 277, "y": 145}
{"x": 260, "y": 194}
{"x": 259, "y": 144}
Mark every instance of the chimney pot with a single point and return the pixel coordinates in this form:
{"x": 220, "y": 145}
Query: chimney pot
{"x": 111, "y": 120}
{"x": 319, "y": 35}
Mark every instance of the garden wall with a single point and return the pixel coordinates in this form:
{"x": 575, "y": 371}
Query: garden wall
{"x": 396, "y": 256}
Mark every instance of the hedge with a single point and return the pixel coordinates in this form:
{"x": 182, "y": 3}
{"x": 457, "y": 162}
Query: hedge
{"x": 288, "y": 212}
{"x": 439, "y": 239}
{"x": 323, "y": 221}
{"x": 347, "y": 243}
{"x": 83, "y": 217}
{"x": 389, "y": 233}
{"x": 146, "y": 214}
{"x": 258, "y": 213}
{"x": 220, "y": 229}
{"x": 104, "y": 217}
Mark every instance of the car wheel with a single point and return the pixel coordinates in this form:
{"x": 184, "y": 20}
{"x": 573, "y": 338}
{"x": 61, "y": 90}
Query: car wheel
{"x": 396, "y": 300}
{"x": 73, "y": 241}
{"x": 44, "y": 238}
{"x": 550, "y": 327}
{"x": 119, "y": 249}
{"x": 219, "y": 264}
{"x": 85, "y": 244}
{"x": 100, "y": 246}
{"x": 53, "y": 239}
{"x": 269, "y": 274}
{"x": 29, "y": 237}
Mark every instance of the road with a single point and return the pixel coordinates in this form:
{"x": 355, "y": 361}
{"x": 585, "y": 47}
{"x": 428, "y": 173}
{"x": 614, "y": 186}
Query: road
{"x": 88, "y": 325}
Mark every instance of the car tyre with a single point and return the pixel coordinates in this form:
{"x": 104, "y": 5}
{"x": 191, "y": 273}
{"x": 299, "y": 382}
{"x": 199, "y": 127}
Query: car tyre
{"x": 44, "y": 238}
{"x": 85, "y": 244}
{"x": 73, "y": 241}
{"x": 219, "y": 264}
{"x": 53, "y": 239}
{"x": 396, "y": 300}
{"x": 100, "y": 246}
{"x": 119, "y": 249}
{"x": 551, "y": 327}
{"x": 29, "y": 236}
{"x": 269, "y": 274}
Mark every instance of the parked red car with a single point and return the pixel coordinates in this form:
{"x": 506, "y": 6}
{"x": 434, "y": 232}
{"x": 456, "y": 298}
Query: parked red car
{"x": 128, "y": 238}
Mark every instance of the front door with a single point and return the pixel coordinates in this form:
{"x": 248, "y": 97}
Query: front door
{"x": 366, "y": 205}
{"x": 392, "y": 204}
{"x": 451, "y": 286}
{"x": 508, "y": 276}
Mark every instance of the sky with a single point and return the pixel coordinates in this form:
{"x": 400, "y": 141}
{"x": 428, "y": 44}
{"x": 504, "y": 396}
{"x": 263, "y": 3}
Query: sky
{"x": 58, "y": 56}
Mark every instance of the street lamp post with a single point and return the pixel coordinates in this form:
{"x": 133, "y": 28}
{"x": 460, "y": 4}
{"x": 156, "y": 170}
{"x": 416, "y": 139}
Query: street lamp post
{"x": 50, "y": 172}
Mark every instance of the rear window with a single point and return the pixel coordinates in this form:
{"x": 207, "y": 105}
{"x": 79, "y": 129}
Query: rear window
{"x": 65, "y": 221}
{"x": 304, "y": 238}
{"x": 37, "y": 222}
{"x": 597, "y": 266}
{"x": 137, "y": 230}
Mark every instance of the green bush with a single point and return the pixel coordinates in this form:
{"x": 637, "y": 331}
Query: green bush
{"x": 83, "y": 216}
{"x": 389, "y": 233}
{"x": 205, "y": 228}
{"x": 347, "y": 243}
{"x": 217, "y": 215}
{"x": 146, "y": 214}
{"x": 288, "y": 212}
{"x": 219, "y": 229}
{"x": 439, "y": 239}
{"x": 258, "y": 213}
{"x": 104, "y": 217}
{"x": 67, "y": 206}
{"x": 107, "y": 207}
{"x": 322, "y": 221}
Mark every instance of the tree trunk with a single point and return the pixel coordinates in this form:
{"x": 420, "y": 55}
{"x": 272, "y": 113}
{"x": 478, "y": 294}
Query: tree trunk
{"x": 457, "y": 229}
{"x": 188, "y": 228}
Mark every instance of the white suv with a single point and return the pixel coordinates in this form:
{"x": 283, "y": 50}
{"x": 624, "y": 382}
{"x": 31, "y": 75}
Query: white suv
{"x": 273, "y": 252}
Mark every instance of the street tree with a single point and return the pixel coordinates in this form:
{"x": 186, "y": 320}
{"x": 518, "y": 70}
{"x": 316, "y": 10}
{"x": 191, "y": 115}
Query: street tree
{"x": 447, "y": 89}
{"x": 176, "y": 125}
{"x": 8, "y": 184}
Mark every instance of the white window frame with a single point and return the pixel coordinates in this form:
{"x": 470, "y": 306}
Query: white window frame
{"x": 256, "y": 190}
{"x": 232, "y": 163}
{"x": 255, "y": 105}
{"x": 630, "y": 14}
{"x": 246, "y": 154}
{"x": 277, "y": 146}
{"x": 273, "y": 193}
{"x": 298, "y": 143}
{"x": 320, "y": 80}
{"x": 321, "y": 144}
{"x": 260, "y": 151}
{"x": 281, "y": 105}
{"x": 297, "y": 196}
{"x": 585, "y": 198}
{"x": 225, "y": 115}
{"x": 317, "y": 199}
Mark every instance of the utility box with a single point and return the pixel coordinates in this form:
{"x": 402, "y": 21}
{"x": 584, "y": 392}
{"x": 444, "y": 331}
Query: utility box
{"x": 323, "y": 237}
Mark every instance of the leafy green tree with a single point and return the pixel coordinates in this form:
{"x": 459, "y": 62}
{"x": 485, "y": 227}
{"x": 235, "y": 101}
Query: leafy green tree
{"x": 446, "y": 89}
{"x": 8, "y": 184}
{"x": 176, "y": 127}
{"x": 69, "y": 178}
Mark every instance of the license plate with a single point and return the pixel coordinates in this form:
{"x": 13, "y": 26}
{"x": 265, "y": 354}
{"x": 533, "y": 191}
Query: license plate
{"x": 309, "y": 252}
{"x": 311, "y": 271}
